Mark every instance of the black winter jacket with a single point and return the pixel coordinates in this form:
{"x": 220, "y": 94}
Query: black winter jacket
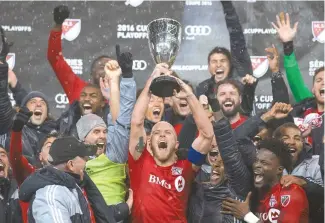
{"x": 206, "y": 199}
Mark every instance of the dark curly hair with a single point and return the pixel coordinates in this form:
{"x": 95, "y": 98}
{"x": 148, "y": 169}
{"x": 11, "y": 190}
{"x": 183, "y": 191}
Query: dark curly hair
{"x": 280, "y": 150}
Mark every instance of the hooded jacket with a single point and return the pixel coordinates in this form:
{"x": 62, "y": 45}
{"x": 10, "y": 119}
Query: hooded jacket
{"x": 54, "y": 196}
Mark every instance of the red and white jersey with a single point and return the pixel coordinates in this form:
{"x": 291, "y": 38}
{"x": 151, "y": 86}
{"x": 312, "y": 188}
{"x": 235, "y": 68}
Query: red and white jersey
{"x": 160, "y": 193}
{"x": 284, "y": 205}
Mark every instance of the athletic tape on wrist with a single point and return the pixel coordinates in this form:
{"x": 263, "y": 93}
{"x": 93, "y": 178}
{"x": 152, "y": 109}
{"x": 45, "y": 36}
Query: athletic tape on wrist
{"x": 251, "y": 218}
{"x": 195, "y": 157}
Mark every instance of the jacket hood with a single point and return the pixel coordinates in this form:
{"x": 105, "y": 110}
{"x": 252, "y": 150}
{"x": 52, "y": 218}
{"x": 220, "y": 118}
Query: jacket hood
{"x": 42, "y": 178}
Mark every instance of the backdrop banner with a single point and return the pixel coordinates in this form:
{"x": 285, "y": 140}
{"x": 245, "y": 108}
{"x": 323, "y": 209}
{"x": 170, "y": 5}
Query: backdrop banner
{"x": 95, "y": 27}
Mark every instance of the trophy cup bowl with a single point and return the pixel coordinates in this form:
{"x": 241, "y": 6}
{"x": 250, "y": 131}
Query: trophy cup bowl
{"x": 164, "y": 37}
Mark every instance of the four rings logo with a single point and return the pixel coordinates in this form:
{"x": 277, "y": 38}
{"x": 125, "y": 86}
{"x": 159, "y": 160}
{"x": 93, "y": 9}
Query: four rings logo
{"x": 139, "y": 65}
{"x": 61, "y": 100}
{"x": 197, "y": 30}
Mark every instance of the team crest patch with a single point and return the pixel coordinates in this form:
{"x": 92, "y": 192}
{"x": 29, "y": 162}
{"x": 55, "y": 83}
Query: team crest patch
{"x": 285, "y": 200}
{"x": 272, "y": 202}
{"x": 177, "y": 171}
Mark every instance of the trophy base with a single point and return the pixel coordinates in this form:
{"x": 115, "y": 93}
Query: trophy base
{"x": 164, "y": 86}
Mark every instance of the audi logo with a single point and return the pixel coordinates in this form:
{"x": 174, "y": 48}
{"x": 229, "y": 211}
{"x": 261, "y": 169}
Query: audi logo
{"x": 61, "y": 99}
{"x": 139, "y": 65}
{"x": 197, "y": 30}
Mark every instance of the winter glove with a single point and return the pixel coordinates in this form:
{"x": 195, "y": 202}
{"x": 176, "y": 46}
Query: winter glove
{"x": 20, "y": 119}
{"x": 125, "y": 61}
{"x": 60, "y": 13}
{"x": 5, "y": 46}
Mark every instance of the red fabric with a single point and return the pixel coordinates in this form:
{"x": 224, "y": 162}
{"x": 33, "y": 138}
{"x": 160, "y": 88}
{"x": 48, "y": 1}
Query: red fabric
{"x": 71, "y": 83}
{"x": 284, "y": 205}
{"x": 239, "y": 122}
{"x": 92, "y": 216}
{"x": 160, "y": 193}
{"x": 20, "y": 166}
{"x": 178, "y": 127}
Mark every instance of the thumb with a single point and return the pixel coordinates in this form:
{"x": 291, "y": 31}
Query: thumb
{"x": 248, "y": 198}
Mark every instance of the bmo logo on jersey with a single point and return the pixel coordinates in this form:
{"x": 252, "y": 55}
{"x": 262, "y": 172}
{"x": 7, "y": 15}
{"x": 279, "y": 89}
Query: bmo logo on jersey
{"x": 154, "y": 179}
{"x": 272, "y": 216}
{"x": 179, "y": 182}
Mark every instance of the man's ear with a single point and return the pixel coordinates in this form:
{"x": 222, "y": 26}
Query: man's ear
{"x": 69, "y": 166}
{"x": 177, "y": 145}
{"x": 313, "y": 90}
{"x": 240, "y": 99}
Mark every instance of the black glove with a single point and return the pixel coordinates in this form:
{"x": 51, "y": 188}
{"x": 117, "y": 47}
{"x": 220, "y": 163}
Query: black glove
{"x": 60, "y": 13}
{"x": 20, "y": 119}
{"x": 125, "y": 61}
{"x": 5, "y": 46}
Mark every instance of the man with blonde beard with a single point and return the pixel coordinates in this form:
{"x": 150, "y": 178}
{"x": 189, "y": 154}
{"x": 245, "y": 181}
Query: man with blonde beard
{"x": 160, "y": 182}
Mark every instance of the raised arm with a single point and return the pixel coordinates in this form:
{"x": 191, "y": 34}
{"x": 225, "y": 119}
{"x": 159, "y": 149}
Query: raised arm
{"x": 16, "y": 88}
{"x": 70, "y": 82}
{"x": 6, "y": 109}
{"x": 240, "y": 57}
{"x": 286, "y": 34}
{"x": 119, "y": 130}
{"x": 237, "y": 172}
{"x": 19, "y": 164}
{"x": 279, "y": 87}
{"x": 202, "y": 143}
{"x": 137, "y": 134}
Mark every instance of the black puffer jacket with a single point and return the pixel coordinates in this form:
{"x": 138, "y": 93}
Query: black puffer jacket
{"x": 31, "y": 135}
{"x": 206, "y": 199}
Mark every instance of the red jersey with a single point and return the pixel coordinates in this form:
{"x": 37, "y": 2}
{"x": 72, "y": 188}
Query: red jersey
{"x": 71, "y": 83}
{"x": 239, "y": 122}
{"x": 284, "y": 205}
{"x": 160, "y": 193}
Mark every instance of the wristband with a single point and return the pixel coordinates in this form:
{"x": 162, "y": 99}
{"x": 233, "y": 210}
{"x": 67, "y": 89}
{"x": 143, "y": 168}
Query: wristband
{"x": 251, "y": 218}
{"x": 195, "y": 157}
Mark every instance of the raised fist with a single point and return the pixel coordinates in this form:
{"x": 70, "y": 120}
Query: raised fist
{"x": 60, "y": 13}
{"x": 5, "y": 46}
{"x": 112, "y": 69}
{"x": 248, "y": 79}
{"x": 20, "y": 119}
{"x": 125, "y": 60}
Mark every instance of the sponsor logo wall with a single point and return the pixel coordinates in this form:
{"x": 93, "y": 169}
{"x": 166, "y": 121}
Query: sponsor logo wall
{"x": 95, "y": 27}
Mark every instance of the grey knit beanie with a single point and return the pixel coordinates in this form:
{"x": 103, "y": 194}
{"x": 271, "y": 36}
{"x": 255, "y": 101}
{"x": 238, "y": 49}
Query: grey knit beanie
{"x": 35, "y": 94}
{"x": 86, "y": 123}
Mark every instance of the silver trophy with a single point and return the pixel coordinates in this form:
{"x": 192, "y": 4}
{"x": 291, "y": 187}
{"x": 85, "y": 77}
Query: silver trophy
{"x": 164, "y": 37}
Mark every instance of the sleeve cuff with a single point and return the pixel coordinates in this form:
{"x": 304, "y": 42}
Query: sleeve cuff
{"x": 288, "y": 48}
{"x": 251, "y": 218}
{"x": 127, "y": 79}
